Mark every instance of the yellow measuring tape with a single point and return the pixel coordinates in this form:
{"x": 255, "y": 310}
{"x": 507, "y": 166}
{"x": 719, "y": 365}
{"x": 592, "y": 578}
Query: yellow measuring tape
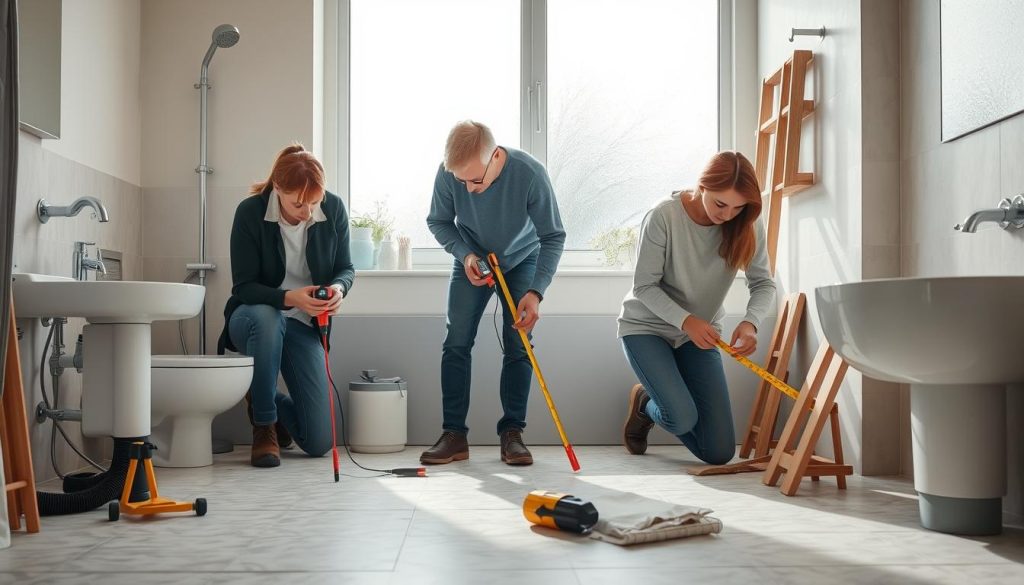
{"x": 763, "y": 373}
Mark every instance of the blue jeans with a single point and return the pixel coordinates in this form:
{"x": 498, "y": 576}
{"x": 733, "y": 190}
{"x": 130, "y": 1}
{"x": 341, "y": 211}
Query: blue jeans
{"x": 466, "y": 304}
{"x": 279, "y": 345}
{"x": 689, "y": 396}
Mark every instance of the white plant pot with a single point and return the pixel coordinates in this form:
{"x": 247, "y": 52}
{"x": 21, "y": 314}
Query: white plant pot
{"x": 361, "y": 233}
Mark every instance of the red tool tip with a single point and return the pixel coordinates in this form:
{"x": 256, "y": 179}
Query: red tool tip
{"x": 409, "y": 472}
{"x": 572, "y": 458}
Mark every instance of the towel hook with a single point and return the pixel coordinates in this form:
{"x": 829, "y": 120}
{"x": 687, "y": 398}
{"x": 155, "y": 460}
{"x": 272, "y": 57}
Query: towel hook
{"x": 811, "y": 32}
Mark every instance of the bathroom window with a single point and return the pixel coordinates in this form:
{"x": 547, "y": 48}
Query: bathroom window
{"x": 619, "y": 98}
{"x": 417, "y": 67}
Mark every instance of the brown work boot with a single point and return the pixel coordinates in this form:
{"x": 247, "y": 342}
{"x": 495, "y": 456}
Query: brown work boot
{"x": 265, "y": 450}
{"x": 513, "y": 451}
{"x": 638, "y": 424}
{"x": 450, "y": 447}
{"x": 284, "y": 438}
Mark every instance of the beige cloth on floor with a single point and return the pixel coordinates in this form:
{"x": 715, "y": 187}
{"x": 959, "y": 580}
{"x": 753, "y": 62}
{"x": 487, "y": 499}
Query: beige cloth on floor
{"x": 628, "y": 518}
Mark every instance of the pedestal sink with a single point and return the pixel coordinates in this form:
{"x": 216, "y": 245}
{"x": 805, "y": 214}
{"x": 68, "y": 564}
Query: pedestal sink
{"x": 957, "y": 341}
{"x": 116, "y": 340}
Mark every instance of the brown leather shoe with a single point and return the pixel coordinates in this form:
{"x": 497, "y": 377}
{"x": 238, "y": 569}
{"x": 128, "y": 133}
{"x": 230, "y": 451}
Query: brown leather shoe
{"x": 450, "y": 447}
{"x": 265, "y": 451}
{"x": 284, "y": 438}
{"x": 513, "y": 450}
{"x": 638, "y": 424}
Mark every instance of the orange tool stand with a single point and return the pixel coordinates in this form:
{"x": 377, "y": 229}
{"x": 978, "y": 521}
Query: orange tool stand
{"x": 142, "y": 451}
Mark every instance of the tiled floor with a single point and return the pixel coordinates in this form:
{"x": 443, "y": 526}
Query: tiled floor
{"x": 464, "y": 524}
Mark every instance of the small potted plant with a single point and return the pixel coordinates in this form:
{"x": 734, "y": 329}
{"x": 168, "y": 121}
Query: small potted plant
{"x": 376, "y": 226}
{"x": 361, "y": 243}
{"x": 618, "y": 245}
{"x": 361, "y": 229}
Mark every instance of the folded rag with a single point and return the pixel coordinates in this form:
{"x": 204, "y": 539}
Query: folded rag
{"x": 628, "y": 518}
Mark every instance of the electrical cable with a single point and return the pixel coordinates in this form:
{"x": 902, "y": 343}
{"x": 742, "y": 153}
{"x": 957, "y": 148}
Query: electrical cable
{"x": 398, "y": 471}
{"x": 323, "y": 320}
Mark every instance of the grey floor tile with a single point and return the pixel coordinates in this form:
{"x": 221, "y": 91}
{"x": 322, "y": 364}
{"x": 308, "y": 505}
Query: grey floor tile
{"x": 464, "y": 524}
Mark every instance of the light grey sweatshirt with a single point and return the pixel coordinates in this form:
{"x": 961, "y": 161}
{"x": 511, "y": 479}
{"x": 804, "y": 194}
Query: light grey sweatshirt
{"x": 680, "y": 272}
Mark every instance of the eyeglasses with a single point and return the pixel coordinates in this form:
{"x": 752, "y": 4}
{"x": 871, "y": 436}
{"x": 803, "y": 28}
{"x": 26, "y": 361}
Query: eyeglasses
{"x": 480, "y": 181}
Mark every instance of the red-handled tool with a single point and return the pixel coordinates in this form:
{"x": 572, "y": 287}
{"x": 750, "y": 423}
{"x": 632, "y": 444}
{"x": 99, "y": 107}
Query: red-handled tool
{"x": 496, "y": 269}
{"x": 324, "y": 293}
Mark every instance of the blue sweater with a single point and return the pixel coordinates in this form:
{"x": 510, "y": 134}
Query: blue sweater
{"x": 514, "y": 217}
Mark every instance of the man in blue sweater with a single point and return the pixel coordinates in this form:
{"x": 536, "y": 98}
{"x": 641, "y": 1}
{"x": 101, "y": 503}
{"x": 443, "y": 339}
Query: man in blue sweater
{"x": 489, "y": 198}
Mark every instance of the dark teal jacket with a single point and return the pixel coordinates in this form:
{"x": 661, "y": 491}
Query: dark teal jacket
{"x": 257, "y": 256}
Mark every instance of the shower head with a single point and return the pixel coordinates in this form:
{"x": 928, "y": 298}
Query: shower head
{"x": 225, "y": 36}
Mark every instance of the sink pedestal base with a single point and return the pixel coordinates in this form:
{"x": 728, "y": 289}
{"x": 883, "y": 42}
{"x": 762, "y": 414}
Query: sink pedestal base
{"x": 959, "y": 441}
{"x": 964, "y": 516}
{"x": 116, "y": 380}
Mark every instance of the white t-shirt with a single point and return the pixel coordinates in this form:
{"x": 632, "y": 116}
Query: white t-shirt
{"x": 295, "y": 237}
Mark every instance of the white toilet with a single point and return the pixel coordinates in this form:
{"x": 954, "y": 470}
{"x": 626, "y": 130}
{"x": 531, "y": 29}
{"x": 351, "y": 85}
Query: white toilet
{"x": 187, "y": 392}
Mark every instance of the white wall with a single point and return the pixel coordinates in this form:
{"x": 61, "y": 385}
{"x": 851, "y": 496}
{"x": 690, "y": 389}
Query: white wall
{"x": 944, "y": 182}
{"x": 845, "y": 228}
{"x": 97, "y": 154}
{"x": 262, "y": 98}
{"x": 100, "y": 111}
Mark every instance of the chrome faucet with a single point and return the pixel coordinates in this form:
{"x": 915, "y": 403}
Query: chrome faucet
{"x": 81, "y": 263}
{"x": 1009, "y": 214}
{"x": 44, "y": 211}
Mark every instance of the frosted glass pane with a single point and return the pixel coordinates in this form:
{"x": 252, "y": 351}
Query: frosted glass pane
{"x": 632, "y": 106}
{"x": 982, "y": 63}
{"x": 417, "y": 68}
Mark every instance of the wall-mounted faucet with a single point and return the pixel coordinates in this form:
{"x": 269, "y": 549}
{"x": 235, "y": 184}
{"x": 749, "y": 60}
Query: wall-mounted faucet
{"x": 1009, "y": 214}
{"x": 44, "y": 211}
{"x": 81, "y": 263}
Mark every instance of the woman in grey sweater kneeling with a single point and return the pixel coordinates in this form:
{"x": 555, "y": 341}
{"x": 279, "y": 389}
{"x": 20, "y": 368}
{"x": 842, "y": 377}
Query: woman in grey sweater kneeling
{"x": 691, "y": 246}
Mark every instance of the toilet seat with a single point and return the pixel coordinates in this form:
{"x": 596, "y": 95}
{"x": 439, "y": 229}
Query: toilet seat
{"x": 200, "y": 361}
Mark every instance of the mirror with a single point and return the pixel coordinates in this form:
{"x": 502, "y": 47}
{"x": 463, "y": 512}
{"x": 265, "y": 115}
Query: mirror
{"x": 982, "y": 55}
{"x": 39, "y": 66}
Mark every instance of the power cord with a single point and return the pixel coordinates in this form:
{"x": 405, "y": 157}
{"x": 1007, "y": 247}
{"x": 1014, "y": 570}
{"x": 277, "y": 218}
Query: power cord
{"x": 322, "y": 323}
{"x": 494, "y": 321}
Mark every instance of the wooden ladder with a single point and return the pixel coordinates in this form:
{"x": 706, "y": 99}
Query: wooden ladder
{"x": 794, "y": 456}
{"x": 20, "y": 483}
{"x": 784, "y": 124}
{"x": 763, "y": 415}
{"x": 761, "y": 428}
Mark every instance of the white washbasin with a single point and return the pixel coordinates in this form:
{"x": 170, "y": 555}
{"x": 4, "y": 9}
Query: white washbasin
{"x": 957, "y": 342}
{"x": 127, "y": 301}
{"x": 954, "y": 330}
